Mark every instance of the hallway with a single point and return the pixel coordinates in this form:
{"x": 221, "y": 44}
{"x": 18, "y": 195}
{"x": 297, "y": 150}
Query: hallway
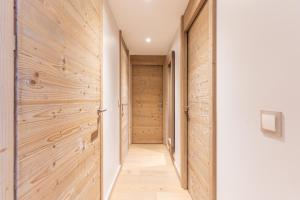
{"x": 148, "y": 174}
{"x": 149, "y": 100}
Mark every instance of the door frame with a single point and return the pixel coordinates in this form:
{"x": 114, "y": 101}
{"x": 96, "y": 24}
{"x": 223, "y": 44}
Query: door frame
{"x": 193, "y": 10}
{"x": 122, "y": 43}
{"x": 101, "y": 131}
{"x": 170, "y": 106}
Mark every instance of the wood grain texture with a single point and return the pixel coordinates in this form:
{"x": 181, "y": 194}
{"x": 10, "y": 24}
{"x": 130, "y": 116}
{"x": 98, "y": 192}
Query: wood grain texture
{"x": 170, "y": 103}
{"x": 124, "y": 90}
{"x": 147, "y": 89}
{"x": 58, "y": 94}
{"x": 7, "y": 100}
{"x": 183, "y": 107}
{"x": 201, "y": 102}
{"x": 147, "y": 60}
{"x": 148, "y": 174}
{"x": 165, "y": 103}
{"x": 130, "y": 102}
{"x": 191, "y": 12}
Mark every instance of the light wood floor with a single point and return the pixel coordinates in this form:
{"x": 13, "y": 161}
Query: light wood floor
{"x": 148, "y": 174}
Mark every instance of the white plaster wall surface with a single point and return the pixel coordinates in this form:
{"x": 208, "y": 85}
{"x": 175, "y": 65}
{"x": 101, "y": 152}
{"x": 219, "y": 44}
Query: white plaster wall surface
{"x": 111, "y": 123}
{"x": 258, "y": 68}
{"x": 176, "y": 47}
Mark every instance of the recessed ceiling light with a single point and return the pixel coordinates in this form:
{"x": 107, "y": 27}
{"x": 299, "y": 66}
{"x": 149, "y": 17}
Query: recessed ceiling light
{"x": 148, "y": 40}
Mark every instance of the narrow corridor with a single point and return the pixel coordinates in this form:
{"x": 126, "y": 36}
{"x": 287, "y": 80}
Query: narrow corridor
{"x": 149, "y": 100}
{"x": 148, "y": 174}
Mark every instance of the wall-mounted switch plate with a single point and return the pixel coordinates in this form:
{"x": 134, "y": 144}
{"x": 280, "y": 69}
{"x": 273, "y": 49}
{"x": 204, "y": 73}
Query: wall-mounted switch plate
{"x": 271, "y": 122}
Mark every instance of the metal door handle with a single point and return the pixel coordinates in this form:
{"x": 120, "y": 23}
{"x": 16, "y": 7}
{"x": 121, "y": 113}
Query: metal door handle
{"x": 100, "y": 111}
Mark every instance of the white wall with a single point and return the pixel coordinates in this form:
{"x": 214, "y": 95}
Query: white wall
{"x": 111, "y": 123}
{"x": 258, "y": 58}
{"x": 176, "y": 47}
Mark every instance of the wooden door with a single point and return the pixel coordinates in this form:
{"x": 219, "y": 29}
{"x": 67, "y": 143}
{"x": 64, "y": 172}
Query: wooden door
{"x": 201, "y": 108}
{"x": 147, "y": 99}
{"x": 124, "y": 87}
{"x": 58, "y": 94}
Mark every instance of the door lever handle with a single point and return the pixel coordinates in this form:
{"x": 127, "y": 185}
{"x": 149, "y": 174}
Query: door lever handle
{"x": 100, "y": 111}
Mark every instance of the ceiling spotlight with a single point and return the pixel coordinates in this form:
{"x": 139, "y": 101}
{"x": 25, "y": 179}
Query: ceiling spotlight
{"x": 148, "y": 40}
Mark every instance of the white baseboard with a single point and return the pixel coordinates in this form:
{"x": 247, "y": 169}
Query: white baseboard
{"x": 111, "y": 187}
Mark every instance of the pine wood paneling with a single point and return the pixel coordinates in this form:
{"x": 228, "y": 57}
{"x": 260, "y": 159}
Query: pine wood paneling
{"x": 147, "y": 89}
{"x": 59, "y": 61}
{"x": 165, "y": 103}
{"x": 124, "y": 87}
{"x": 192, "y": 12}
{"x": 201, "y": 103}
{"x": 183, "y": 107}
{"x": 147, "y": 60}
{"x": 7, "y": 100}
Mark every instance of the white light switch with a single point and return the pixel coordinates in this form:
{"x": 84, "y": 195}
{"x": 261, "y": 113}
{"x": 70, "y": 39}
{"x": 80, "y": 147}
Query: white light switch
{"x": 268, "y": 122}
{"x": 271, "y": 122}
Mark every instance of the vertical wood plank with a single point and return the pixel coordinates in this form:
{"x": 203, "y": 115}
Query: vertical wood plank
{"x": 130, "y": 101}
{"x": 165, "y": 103}
{"x": 7, "y": 100}
{"x": 213, "y": 63}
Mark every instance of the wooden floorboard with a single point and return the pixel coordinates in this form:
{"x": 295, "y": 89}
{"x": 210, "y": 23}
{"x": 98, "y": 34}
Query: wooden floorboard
{"x": 148, "y": 174}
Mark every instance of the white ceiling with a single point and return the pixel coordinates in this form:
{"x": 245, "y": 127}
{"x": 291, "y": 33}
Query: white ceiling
{"x": 157, "y": 19}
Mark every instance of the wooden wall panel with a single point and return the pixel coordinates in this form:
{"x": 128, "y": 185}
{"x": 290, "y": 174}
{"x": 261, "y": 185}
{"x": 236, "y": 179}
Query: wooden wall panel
{"x": 147, "y": 99}
{"x": 59, "y": 61}
{"x": 191, "y": 12}
{"x": 201, "y": 123}
{"x": 7, "y": 46}
{"x": 147, "y": 60}
{"x": 130, "y": 102}
{"x": 124, "y": 87}
{"x": 165, "y": 103}
{"x": 183, "y": 107}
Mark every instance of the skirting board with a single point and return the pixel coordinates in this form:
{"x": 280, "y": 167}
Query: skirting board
{"x": 111, "y": 188}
